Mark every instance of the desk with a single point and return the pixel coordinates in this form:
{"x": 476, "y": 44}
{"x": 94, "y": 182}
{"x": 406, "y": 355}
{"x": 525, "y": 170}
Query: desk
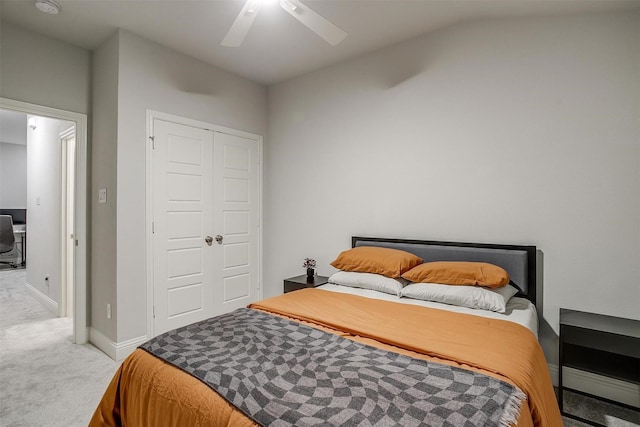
{"x": 20, "y": 233}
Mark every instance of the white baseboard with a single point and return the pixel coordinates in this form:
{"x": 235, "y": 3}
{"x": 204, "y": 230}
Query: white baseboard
{"x": 118, "y": 351}
{"x": 609, "y": 388}
{"x": 43, "y": 299}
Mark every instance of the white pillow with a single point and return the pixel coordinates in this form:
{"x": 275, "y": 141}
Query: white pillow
{"x": 465, "y": 296}
{"x": 371, "y": 281}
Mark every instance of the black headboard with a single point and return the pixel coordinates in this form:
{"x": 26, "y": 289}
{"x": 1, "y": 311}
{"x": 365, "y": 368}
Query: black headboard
{"x": 518, "y": 260}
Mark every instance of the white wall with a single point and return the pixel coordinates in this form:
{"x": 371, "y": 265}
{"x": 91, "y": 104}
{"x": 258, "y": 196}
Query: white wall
{"x": 43, "y": 71}
{"x": 13, "y": 176}
{"x": 151, "y": 76}
{"x": 44, "y": 206}
{"x": 519, "y": 131}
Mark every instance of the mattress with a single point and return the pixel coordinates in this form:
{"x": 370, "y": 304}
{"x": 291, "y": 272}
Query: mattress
{"x": 149, "y": 391}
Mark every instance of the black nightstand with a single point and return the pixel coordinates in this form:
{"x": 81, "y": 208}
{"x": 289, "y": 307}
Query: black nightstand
{"x": 603, "y": 345}
{"x": 301, "y": 282}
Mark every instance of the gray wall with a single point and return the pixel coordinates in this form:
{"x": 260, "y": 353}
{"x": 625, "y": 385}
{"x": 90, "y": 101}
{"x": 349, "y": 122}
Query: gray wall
{"x": 149, "y": 76}
{"x": 103, "y": 170}
{"x": 43, "y": 71}
{"x": 517, "y": 131}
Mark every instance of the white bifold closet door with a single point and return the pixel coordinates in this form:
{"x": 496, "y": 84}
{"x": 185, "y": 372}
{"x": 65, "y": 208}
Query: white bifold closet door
{"x": 205, "y": 223}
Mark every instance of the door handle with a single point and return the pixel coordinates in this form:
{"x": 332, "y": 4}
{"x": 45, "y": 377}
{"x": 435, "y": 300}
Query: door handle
{"x": 219, "y": 239}
{"x": 209, "y": 240}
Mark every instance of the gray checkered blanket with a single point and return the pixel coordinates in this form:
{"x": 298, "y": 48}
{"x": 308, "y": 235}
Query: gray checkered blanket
{"x": 280, "y": 372}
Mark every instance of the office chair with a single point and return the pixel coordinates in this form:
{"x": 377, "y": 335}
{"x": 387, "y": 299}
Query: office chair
{"x": 7, "y": 239}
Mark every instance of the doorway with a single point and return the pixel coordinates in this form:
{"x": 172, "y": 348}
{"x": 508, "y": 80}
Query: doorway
{"x": 71, "y": 292}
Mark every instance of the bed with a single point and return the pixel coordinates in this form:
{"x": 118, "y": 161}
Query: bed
{"x": 344, "y": 354}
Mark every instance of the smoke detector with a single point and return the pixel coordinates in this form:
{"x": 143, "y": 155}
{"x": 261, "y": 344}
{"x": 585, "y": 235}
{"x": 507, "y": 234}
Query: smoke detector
{"x": 48, "y": 6}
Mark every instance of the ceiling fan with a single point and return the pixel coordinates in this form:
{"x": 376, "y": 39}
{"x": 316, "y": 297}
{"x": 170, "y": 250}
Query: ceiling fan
{"x": 316, "y": 23}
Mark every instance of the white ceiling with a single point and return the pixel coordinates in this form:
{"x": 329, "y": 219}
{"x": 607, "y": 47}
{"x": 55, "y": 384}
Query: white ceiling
{"x": 277, "y": 46}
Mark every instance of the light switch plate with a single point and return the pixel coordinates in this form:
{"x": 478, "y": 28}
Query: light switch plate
{"x": 102, "y": 195}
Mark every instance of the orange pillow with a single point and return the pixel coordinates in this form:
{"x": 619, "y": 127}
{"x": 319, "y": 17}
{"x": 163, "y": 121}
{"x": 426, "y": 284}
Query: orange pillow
{"x": 370, "y": 259}
{"x": 459, "y": 273}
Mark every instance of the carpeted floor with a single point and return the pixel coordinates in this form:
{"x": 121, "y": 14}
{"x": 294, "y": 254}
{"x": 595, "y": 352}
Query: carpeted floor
{"x": 45, "y": 380}
{"x": 599, "y": 412}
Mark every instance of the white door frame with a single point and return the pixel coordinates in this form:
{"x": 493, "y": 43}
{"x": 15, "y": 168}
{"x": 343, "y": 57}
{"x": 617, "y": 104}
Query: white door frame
{"x": 151, "y": 116}
{"x": 80, "y": 330}
{"x": 67, "y": 237}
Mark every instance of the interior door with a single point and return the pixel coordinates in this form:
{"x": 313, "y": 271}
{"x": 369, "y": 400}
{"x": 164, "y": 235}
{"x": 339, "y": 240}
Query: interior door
{"x": 206, "y": 223}
{"x": 183, "y": 282}
{"x": 237, "y": 219}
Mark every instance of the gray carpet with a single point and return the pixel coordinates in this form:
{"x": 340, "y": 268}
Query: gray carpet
{"x": 45, "y": 380}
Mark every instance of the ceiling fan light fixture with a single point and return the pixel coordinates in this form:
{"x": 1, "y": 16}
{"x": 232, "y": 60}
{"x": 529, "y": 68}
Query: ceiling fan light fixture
{"x": 288, "y": 5}
{"x": 303, "y": 13}
{"x": 253, "y": 7}
{"x": 48, "y": 6}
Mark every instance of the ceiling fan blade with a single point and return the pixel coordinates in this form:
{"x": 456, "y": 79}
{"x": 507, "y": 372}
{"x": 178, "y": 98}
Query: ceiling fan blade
{"x": 316, "y": 23}
{"x": 241, "y": 25}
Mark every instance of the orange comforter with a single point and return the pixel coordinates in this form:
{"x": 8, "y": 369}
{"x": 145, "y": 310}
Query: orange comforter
{"x": 148, "y": 391}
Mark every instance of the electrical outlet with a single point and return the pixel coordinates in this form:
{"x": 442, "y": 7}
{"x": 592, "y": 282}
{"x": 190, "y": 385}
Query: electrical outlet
{"x": 108, "y": 311}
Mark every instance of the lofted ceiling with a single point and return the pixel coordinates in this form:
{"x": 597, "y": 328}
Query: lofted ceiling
{"x": 277, "y": 46}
